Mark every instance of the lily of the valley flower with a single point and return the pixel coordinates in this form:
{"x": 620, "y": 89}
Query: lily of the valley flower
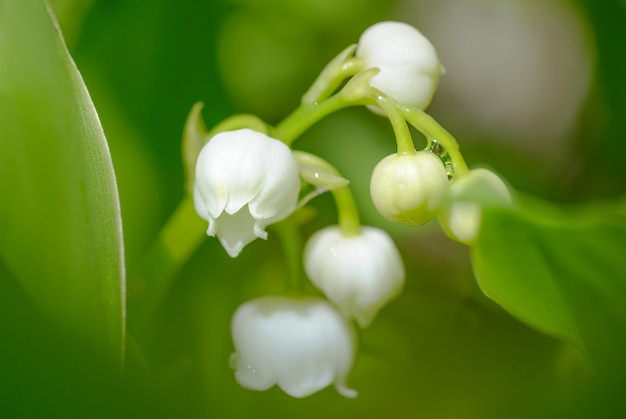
{"x": 408, "y": 62}
{"x": 462, "y": 216}
{"x": 300, "y": 344}
{"x": 245, "y": 181}
{"x": 409, "y": 188}
{"x": 359, "y": 273}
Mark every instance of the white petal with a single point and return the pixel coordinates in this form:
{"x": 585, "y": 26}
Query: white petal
{"x": 235, "y": 231}
{"x": 247, "y": 169}
{"x": 201, "y": 209}
{"x": 360, "y": 274}
{"x": 245, "y": 180}
{"x": 408, "y": 62}
{"x": 210, "y": 184}
{"x": 278, "y": 195}
{"x": 302, "y": 345}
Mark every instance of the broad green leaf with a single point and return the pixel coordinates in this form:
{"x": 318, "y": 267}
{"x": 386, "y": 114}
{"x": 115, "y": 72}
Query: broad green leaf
{"x": 60, "y": 224}
{"x": 70, "y": 15}
{"x": 561, "y": 272}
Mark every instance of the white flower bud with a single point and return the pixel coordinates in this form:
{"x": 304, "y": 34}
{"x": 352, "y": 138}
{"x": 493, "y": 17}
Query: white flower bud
{"x": 408, "y": 62}
{"x": 461, "y": 218}
{"x": 360, "y": 274}
{"x": 409, "y": 188}
{"x": 301, "y": 344}
{"x": 245, "y": 180}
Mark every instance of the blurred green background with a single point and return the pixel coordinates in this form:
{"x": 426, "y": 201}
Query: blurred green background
{"x": 534, "y": 90}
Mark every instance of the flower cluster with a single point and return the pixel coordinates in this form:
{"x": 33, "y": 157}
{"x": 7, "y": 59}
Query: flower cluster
{"x": 247, "y": 179}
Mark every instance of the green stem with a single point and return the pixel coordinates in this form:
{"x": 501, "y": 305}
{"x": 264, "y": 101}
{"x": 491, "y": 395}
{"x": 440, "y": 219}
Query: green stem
{"x": 339, "y": 69}
{"x": 179, "y": 238}
{"x": 325, "y": 177}
{"x": 347, "y": 211}
{"x": 291, "y": 241}
{"x": 432, "y": 130}
{"x": 290, "y": 128}
{"x": 398, "y": 122}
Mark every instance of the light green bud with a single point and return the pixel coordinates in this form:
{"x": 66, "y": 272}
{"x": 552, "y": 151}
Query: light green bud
{"x": 409, "y": 188}
{"x": 461, "y": 218}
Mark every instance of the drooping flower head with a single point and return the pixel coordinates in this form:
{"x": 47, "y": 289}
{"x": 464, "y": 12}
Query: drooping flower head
{"x": 409, "y": 188}
{"x": 408, "y": 62}
{"x": 461, "y": 216}
{"x": 359, "y": 273}
{"x": 300, "y": 344}
{"x": 245, "y": 181}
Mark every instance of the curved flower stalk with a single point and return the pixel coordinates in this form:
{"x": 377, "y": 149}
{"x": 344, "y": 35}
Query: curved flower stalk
{"x": 300, "y": 344}
{"x": 408, "y": 62}
{"x": 245, "y": 181}
{"x": 359, "y": 273}
{"x": 462, "y": 215}
{"x": 409, "y": 188}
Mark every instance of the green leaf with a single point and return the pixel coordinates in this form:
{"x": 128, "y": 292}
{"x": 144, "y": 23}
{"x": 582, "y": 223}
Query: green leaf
{"x": 561, "y": 272}
{"x": 60, "y": 224}
{"x": 194, "y": 138}
{"x": 71, "y": 15}
{"x": 318, "y": 172}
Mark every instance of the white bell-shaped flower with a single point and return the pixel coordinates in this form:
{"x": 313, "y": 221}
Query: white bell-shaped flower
{"x": 300, "y": 344}
{"x": 359, "y": 273}
{"x": 245, "y": 180}
{"x": 408, "y": 62}
{"x": 409, "y": 188}
{"x": 462, "y": 215}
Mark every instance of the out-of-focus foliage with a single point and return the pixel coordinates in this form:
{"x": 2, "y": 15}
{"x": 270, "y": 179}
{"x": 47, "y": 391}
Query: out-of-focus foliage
{"x": 60, "y": 222}
{"x": 441, "y": 350}
{"x": 605, "y": 147}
